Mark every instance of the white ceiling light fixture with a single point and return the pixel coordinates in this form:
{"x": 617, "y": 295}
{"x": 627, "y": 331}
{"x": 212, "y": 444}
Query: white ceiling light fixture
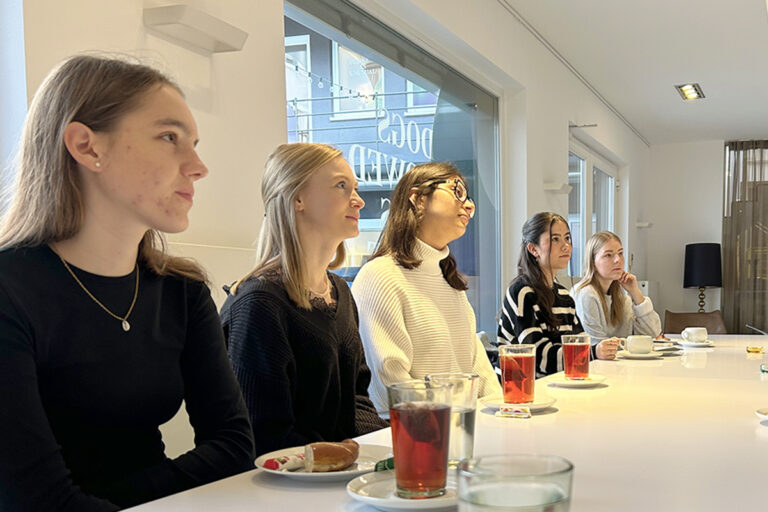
{"x": 690, "y": 91}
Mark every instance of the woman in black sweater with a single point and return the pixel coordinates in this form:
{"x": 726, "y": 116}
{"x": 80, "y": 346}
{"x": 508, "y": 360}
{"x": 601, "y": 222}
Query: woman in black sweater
{"x": 102, "y": 334}
{"x": 292, "y": 325}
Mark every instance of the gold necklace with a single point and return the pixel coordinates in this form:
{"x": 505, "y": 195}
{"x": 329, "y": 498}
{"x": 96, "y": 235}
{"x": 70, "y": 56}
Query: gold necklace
{"x": 124, "y": 319}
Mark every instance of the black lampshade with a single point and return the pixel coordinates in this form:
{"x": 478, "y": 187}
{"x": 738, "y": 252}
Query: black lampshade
{"x": 702, "y": 266}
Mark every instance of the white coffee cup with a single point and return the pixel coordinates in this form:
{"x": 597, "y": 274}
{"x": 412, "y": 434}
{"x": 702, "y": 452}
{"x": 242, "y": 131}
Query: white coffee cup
{"x": 694, "y": 334}
{"x": 637, "y": 344}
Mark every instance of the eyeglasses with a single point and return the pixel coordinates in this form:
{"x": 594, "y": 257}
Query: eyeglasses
{"x": 459, "y": 191}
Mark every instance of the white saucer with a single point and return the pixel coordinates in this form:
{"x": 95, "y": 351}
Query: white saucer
{"x": 539, "y": 402}
{"x": 369, "y": 455}
{"x": 593, "y": 380}
{"x": 659, "y": 347}
{"x": 706, "y": 343}
{"x": 624, "y": 354}
{"x": 378, "y": 490}
{"x": 762, "y": 413}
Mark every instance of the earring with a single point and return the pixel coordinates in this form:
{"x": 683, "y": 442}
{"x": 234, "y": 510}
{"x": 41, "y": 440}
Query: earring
{"x": 97, "y": 164}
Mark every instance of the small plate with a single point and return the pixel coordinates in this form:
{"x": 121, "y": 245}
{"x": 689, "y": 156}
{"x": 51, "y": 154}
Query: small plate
{"x": 378, "y": 490}
{"x": 762, "y": 413}
{"x": 624, "y": 354}
{"x": 706, "y": 343}
{"x": 560, "y": 381}
{"x": 659, "y": 347}
{"x": 369, "y": 455}
{"x": 540, "y": 402}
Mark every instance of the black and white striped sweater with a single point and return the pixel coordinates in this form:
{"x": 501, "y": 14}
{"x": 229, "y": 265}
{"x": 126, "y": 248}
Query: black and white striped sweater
{"x": 520, "y": 321}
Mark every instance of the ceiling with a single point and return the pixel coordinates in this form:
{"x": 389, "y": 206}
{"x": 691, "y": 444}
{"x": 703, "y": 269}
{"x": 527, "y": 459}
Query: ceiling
{"x": 634, "y": 53}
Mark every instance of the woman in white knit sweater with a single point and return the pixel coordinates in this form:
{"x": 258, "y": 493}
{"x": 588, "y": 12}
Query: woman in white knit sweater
{"x": 415, "y": 318}
{"x": 609, "y": 302}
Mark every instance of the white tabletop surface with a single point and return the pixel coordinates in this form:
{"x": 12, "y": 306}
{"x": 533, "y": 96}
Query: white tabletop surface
{"x": 672, "y": 434}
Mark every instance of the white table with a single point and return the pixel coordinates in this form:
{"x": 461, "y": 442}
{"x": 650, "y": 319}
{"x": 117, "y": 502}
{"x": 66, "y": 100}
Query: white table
{"x": 673, "y": 434}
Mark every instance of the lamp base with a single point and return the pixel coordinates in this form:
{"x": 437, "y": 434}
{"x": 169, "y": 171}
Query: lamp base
{"x": 701, "y": 299}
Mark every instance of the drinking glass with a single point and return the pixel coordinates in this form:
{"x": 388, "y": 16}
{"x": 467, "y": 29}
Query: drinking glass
{"x": 520, "y": 483}
{"x": 419, "y": 413}
{"x": 576, "y": 356}
{"x": 463, "y": 407}
{"x": 518, "y": 372}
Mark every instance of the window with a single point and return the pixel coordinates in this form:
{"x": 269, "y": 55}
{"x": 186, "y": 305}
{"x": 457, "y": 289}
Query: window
{"x": 390, "y": 106}
{"x": 298, "y": 66}
{"x": 419, "y": 100}
{"x": 593, "y": 182}
{"x": 13, "y": 89}
{"x": 360, "y": 83}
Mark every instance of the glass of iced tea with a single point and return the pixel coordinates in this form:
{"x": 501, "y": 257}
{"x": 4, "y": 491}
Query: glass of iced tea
{"x": 419, "y": 413}
{"x": 463, "y": 407}
{"x": 576, "y": 356}
{"x": 518, "y": 372}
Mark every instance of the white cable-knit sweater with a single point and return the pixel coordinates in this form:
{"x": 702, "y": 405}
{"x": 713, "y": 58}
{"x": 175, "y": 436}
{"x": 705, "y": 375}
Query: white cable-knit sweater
{"x": 412, "y": 323}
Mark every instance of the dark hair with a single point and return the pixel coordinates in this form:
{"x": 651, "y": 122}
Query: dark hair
{"x": 399, "y": 235}
{"x": 528, "y": 268}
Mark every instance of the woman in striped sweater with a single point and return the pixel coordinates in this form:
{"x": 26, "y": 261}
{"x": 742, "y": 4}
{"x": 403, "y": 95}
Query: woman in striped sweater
{"x": 415, "y": 318}
{"x": 536, "y": 309}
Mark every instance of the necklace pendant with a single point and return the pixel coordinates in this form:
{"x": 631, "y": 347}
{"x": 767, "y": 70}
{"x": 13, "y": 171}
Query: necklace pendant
{"x": 126, "y": 326}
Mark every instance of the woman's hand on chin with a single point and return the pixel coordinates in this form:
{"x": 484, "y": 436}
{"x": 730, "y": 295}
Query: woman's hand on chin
{"x": 607, "y": 348}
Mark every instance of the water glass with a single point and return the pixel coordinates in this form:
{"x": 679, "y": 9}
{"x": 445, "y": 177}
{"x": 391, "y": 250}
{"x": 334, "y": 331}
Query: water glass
{"x": 463, "y": 408}
{"x": 576, "y": 356}
{"x": 519, "y": 483}
{"x": 419, "y": 413}
{"x": 518, "y": 372}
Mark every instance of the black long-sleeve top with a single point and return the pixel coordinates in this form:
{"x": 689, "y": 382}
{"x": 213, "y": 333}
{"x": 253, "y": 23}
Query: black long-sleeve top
{"x": 302, "y": 372}
{"x": 81, "y": 399}
{"x": 521, "y": 321}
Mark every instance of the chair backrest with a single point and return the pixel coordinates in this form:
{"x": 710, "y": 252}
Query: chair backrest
{"x": 674, "y": 323}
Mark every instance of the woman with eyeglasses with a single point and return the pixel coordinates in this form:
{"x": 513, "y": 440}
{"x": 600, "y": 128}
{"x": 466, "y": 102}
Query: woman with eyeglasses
{"x": 601, "y": 302}
{"x": 536, "y": 309}
{"x": 415, "y": 318}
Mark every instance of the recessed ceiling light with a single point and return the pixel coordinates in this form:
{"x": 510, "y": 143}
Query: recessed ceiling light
{"x": 690, "y": 91}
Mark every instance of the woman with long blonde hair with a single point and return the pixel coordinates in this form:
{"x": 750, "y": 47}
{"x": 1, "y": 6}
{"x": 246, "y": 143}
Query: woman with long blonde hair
{"x": 608, "y": 299}
{"x": 414, "y": 314}
{"x": 103, "y": 334}
{"x": 291, "y": 323}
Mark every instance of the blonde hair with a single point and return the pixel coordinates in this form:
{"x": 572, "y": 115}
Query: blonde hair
{"x": 46, "y": 203}
{"x": 594, "y": 244}
{"x": 287, "y": 170}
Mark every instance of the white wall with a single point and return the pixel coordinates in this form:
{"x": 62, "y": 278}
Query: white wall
{"x": 685, "y": 205}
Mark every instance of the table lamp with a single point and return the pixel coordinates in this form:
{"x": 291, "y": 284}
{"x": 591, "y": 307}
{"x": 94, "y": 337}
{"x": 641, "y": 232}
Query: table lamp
{"x": 702, "y": 269}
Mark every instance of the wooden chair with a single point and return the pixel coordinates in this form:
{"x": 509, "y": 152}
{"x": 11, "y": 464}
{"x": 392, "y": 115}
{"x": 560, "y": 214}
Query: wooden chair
{"x": 674, "y": 323}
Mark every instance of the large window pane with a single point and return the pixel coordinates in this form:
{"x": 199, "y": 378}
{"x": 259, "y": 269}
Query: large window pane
{"x": 576, "y": 167}
{"x": 390, "y": 106}
{"x": 602, "y": 200}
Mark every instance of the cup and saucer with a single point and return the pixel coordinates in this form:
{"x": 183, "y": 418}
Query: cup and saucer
{"x": 695, "y": 337}
{"x": 637, "y": 347}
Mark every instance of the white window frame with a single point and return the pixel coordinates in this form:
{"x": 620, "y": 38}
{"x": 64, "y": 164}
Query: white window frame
{"x": 592, "y": 159}
{"x": 413, "y": 110}
{"x": 303, "y": 40}
{"x": 343, "y": 115}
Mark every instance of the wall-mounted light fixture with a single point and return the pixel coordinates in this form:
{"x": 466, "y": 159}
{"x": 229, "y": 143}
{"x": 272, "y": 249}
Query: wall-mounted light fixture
{"x": 195, "y": 27}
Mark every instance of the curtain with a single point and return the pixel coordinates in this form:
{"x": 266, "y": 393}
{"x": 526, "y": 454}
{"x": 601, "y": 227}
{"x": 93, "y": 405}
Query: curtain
{"x": 745, "y": 236}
